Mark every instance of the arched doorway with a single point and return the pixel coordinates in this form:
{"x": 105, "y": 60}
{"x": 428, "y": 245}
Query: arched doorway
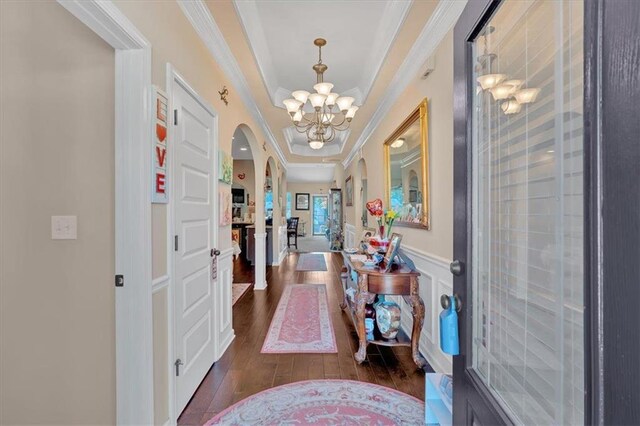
{"x": 361, "y": 197}
{"x": 248, "y": 227}
{"x": 273, "y": 211}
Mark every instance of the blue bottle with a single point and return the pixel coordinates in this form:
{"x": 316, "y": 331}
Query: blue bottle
{"x": 449, "y": 342}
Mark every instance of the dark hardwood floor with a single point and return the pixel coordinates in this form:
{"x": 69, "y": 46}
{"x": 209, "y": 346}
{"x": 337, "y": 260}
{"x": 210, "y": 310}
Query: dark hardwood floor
{"x": 243, "y": 371}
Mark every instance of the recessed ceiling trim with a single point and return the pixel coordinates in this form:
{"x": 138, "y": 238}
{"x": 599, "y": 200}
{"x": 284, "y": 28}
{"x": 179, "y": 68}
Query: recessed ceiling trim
{"x": 310, "y": 172}
{"x": 200, "y": 17}
{"x": 441, "y": 21}
{"x": 392, "y": 20}
{"x": 294, "y": 138}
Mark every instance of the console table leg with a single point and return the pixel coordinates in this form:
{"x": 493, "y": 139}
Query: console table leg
{"x": 417, "y": 311}
{"x": 361, "y": 301}
{"x": 344, "y": 278}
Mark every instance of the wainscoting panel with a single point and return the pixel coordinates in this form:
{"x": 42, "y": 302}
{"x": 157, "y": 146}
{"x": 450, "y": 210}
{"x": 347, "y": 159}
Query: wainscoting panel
{"x": 223, "y": 300}
{"x": 349, "y": 235}
{"x": 435, "y": 279}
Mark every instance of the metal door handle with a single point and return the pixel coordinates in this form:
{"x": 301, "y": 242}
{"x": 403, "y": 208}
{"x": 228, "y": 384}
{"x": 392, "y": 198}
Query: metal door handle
{"x": 456, "y": 267}
{"x": 215, "y": 252}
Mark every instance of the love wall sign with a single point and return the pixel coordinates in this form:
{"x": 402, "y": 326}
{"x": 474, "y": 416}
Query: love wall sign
{"x": 159, "y": 193}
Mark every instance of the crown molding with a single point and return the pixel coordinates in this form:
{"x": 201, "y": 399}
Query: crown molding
{"x": 441, "y": 21}
{"x": 200, "y": 17}
{"x": 391, "y": 23}
{"x": 335, "y": 147}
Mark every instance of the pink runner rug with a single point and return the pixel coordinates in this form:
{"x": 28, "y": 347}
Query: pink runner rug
{"x": 311, "y": 262}
{"x": 325, "y": 402}
{"x": 301, "y": 323}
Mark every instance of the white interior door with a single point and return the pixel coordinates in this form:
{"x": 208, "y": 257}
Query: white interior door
{"x": 195, "y": 226}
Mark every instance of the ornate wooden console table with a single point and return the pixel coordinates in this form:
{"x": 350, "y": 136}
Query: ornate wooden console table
{"x": 399, "y": 281}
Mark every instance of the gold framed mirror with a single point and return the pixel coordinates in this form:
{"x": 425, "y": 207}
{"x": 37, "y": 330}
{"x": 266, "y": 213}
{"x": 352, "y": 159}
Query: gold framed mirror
{"x": 406, "y": 165}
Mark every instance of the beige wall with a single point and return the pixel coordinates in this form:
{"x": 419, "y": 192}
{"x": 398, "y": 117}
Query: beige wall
{"x": 174, "y": 41}
{"x": 438, "y": 88}
{"x": 57, "y": 321}
{"x": 248, "y": 183}
{"x": 311, "y": 188}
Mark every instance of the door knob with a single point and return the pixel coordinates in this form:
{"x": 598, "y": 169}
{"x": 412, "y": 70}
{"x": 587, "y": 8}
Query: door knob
{"x": 456, "y": 267}
{"x": 215, "y": 252}
{"x": 445, "y": 302}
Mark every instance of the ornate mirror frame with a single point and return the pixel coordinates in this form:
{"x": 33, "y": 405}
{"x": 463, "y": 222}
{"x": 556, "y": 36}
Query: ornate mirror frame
{"x": 420, "y": 113}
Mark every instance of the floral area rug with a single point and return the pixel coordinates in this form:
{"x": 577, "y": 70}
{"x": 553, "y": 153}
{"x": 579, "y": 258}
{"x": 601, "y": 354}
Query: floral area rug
{"x": 325, "y": 402}
{"x": 238, "y": 290}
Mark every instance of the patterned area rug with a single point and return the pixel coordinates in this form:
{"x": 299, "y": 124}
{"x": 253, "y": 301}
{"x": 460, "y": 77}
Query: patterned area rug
{"x": 311, "y": 262}
{"x": 301, "y": 323}
{"x": 238, "y": 290}
{"x": 325, "y": 402}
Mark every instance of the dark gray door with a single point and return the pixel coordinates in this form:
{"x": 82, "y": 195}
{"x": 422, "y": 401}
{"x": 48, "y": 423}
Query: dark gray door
{"x": 547, "y": 212}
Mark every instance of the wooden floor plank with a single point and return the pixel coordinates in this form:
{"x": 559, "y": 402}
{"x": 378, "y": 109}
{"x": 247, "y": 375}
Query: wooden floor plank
{"x": 243, "y": 371}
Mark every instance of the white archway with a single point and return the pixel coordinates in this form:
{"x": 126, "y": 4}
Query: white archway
{"x": 260, "y": 234}
{"x": 271, "y": 167}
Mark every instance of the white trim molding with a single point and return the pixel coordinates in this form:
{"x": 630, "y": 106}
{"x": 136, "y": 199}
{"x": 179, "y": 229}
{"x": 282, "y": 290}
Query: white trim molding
{"x": 349, "y": 235}
{"x": 133, "y": 135}
{"x": 441, "y": 21}
{"x": 200, "y": 17}
{"x": 260, "y": 262}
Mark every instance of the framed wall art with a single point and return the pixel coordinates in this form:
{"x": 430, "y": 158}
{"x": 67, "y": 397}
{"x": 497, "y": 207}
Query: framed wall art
{"x": 302, "y": 201}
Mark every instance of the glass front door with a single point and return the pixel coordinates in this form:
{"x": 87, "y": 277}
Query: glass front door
{"x": 320, "y": 214}
{"x": 525, "y": 278}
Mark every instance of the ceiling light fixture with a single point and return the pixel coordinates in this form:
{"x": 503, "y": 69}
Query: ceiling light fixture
{"x": 331, "y": 112}
{"x": 244, "y": 148}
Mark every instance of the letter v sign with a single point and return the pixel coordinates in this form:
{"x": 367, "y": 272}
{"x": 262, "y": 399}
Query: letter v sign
{"x": 161, "y": 154}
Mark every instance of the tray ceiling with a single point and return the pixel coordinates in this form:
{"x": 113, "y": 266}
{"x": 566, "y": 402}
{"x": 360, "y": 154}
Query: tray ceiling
{"x": 359, "y": 36}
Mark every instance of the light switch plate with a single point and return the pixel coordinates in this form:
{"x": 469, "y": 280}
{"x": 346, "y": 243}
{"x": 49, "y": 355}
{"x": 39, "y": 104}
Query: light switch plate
{"x": 64, "y": 227}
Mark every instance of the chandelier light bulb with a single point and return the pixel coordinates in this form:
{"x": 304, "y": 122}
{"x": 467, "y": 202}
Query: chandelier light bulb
{"x": 292, "y": 105}
{"x": 316, "y": 144}
{"x": 351, "y": 112}
{"x": 344, "y": 103}
{"x": 323, "y": 88}
{"x": 297, "y": 117}
{"x": 301, "y": 96}
{"x": 317, "y": 100}
{"x": 331, "y": 99}
{"x": 511, "y": 107}
{"x": 397, "y": 143}
{"x": 489, "y": 81}
{"x": 526, "y": 96}
{"x": 503, "y": 91}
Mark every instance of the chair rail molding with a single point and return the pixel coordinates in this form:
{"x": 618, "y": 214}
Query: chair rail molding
{"x": 200, "y": 17}
{"x": 441, "y": 21}
{"x": 133, "y": 127}
{"x": 435, "y": 279}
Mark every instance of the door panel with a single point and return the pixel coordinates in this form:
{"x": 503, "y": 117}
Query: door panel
{"x": 520, "y": 213}
{"x": 194, "y": 220}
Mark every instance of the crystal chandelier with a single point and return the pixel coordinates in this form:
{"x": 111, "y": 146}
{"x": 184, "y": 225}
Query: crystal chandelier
{"x": 331, "y": 113}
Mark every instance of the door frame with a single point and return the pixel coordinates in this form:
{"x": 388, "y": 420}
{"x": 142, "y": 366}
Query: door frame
{"x": 133, "y": 135}
{"x": 173, "y": 78}
{"x": 313, "y": 211}
{"x": 611, "y": 251}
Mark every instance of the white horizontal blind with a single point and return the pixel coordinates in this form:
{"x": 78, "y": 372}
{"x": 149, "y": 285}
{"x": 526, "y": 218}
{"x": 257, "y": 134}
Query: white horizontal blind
{"x": 528, "y": 215}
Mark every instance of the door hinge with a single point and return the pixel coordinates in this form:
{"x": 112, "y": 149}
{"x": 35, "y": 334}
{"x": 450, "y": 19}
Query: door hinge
{"x": 119, "y": 280}
{"x": 178, "y": 363}
{"x": 175, "y": 117}
{"x": 175, "y": 243}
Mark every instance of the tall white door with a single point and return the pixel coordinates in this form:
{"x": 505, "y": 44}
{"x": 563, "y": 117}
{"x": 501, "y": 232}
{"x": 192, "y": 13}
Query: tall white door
{"x": 195, "y": 228}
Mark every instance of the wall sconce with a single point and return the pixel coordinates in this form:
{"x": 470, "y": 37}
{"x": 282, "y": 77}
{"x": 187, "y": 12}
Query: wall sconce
{"x": 223, "y": 95}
